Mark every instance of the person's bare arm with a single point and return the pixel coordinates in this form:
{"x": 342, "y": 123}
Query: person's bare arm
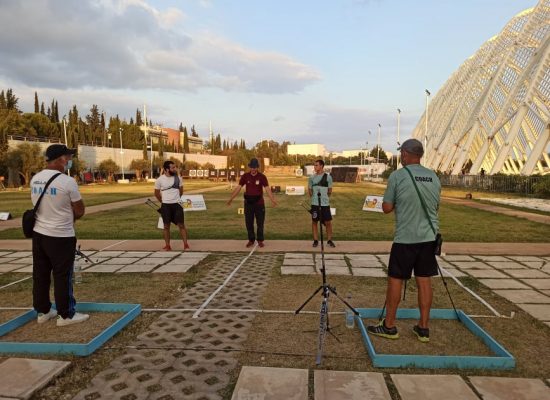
{"x": 78, "y": 209}
{"x": 233, "y": 194}
{"x": 387, "y": 207}
{"x": 157, "y": 195}
{"x": 270, "y": 194}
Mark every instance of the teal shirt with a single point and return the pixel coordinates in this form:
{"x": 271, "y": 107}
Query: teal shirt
{"x": 314, "y": 180}
{"x": 411, "y": 224}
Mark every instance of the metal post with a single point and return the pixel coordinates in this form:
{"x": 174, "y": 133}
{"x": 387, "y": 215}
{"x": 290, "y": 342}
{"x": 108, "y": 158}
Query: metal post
{"x": 398, "y": 139}
{"x": 378, "y": 150}
{"x": 121, "y": 152}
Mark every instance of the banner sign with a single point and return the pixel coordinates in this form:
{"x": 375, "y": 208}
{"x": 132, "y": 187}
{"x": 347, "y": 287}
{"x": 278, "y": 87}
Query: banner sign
{"x": 373, "y": 203}
{"x": 4, "y": 216}
{"x": 193, "y": 202}
{"x": 295, "y": 190}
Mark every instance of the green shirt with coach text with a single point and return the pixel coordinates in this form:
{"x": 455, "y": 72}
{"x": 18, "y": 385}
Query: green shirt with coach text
{"x": 411, "y": 224}
{"x": 313, "y": 184}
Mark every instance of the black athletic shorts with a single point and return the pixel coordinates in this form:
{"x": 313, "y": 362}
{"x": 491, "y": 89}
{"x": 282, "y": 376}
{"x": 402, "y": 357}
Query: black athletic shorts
{"x": 325, "y": 213}
{"x": 404, "y": 258}
{"x": 171, "y": 213}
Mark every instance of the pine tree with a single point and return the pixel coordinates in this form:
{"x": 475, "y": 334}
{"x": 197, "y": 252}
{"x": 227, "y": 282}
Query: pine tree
{"x": 42, "y": 111}
{"x": 139, "y": 121}
{"x": 11, "y": 100}
{"x": 2, "y": 101}
{"x": 36, "y": 104}
{"x": 56, "y": 113}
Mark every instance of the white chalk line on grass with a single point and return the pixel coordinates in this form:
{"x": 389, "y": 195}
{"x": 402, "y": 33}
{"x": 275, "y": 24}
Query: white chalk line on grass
{"x": 491, "y": 308}
{"x": 209, "y": 299}
{"x": 88, "y": 266}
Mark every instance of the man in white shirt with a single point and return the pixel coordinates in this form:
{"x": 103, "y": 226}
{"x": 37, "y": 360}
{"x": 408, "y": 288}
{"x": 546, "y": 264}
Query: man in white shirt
{"x": 168, "y": 190}
{"x": 53, "y": 240}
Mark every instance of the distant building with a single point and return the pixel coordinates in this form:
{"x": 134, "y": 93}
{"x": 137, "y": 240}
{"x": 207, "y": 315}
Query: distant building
{"x": 307, "y": 149}
{"x": 175, "y": 137}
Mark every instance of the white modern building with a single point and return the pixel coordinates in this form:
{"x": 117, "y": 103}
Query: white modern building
{"x": 307, "y": 149}
{"x": 493, "y": 113}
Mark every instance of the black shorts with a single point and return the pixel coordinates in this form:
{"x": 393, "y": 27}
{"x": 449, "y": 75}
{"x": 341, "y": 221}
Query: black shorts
{"x": 171, "y": 213}
{"x": 420, "y": 257}
{"x": 325, "y": 213}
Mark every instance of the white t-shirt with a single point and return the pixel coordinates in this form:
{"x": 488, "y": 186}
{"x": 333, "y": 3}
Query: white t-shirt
{"x": 55, "y": 214}
{"x": 169, "y": 194}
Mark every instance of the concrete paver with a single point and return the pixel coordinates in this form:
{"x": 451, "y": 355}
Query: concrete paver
{"x": 298, "y": 255}
{"x": 372, "y": 272}
{"x": 527, "y": 273}
{"x": 298, "y": 262}
{"x": 526, "y": 258}
{"x": 25, "y": 269}
{"x": 21, "y": 377}
{"x": 137, "y": 268}
{"x": 348, "y": 385}
{"x": 522, "y": 296}
{"x": 120, "y": 260}
{"x": 539, "y": 311}
{"x": 503, "y": 284}
{"x": 268, "y": 383}
{"x": 499, "y": 388}
{"x": 534, "y": 264}
{"x": 455, "y": 272}
{"x": 432, "y": 387}
{"x": 366, "y": 264}
{"x": 505, "y": 265}
{"x": 329, "y": 256}
{"x": 105, "y": 268}
{"x": 485, "y": 273}
{"x": 362, "y": 257}
{"x": 8, "y": 267}
{"x": 538, "y": 283}
{"x": 173, "y": 268}
{"x": 332, "y": 263}
{"x": 335, "y": 270}
{"x": 457, "y": 257}
{"x": 471, "y": 265}
{"x": 492, "y": 258}
{"x": 137, "y": 254}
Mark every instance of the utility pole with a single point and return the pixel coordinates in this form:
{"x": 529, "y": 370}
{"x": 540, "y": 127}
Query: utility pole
{"x": 121, "y": 152}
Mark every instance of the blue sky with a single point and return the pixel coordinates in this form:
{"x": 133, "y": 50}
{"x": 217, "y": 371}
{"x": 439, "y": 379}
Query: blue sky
{"x": 305, "y": 71}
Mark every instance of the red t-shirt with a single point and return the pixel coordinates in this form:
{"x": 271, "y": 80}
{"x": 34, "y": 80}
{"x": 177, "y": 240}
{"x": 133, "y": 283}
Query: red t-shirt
{"x": 254, "y": 185}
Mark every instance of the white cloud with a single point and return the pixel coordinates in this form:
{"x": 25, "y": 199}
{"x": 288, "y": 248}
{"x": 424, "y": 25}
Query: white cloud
{"x": 128, "y": 44}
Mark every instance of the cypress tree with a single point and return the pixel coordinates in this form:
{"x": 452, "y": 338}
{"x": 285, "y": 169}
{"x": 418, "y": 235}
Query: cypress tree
{"x": 36, "y": 104}
{"x": 42, "y": 111}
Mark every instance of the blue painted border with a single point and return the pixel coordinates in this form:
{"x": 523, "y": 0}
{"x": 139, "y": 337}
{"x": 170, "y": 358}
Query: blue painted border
{"x": 131, "y": 311}
{"x": 501, "y": 360}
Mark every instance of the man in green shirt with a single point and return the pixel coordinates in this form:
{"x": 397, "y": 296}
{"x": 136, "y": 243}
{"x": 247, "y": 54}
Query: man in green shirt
{"x": 320, "y": 183}
{"x": 414, "y": 243}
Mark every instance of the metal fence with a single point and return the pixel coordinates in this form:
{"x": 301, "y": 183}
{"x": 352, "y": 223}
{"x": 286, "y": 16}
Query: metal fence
{"x": 525, "y": 185}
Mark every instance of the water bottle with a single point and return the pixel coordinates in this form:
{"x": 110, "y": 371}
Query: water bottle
{"x": 77, "y": 273}
{"x": 350, "y": 317}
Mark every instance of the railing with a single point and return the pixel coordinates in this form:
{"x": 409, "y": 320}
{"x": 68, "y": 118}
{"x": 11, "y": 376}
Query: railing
{"x": 525, "y": 185}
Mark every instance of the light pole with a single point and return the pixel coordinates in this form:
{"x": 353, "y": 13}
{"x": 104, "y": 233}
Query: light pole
{"x": 66, "y": 144}
{"x": 378, "y": 151}
{"x": 121, "y": 152}
{"x": 426, "y": 126}
{"x": 398, "y": 139}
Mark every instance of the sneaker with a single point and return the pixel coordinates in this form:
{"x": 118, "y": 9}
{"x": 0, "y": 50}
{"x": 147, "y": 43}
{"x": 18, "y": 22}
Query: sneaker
{"x": 331, "y": 243}
{"x": 315, "y": 243}
{"x": 250, "y": 243}
{"x": 383, "y": 331}
{"x": 77, "y": 317}
{"x": 46, "y": 317}
{"x": 423, "y": 334}
{"x": 167, "y": 248}
{"x": 261, "y": 243}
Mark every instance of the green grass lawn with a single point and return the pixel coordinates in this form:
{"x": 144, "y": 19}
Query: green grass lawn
{"x": 290, "y": 221}
{"x": 17, "y": 201}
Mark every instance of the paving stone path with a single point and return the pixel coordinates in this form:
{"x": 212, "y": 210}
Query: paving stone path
{"x": 179, "y": 357}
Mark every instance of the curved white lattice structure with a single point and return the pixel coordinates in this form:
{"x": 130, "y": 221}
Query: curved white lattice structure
{"x": 493, "y": 113}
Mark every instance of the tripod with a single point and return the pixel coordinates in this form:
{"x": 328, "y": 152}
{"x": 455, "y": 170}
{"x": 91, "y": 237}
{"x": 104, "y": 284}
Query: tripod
{"x": 325, "y": 290}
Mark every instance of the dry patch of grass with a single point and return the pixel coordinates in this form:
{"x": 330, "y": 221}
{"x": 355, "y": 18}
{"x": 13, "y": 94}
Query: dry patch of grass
{"x": 49, "y": 332}
{"x": 287, "y": 340}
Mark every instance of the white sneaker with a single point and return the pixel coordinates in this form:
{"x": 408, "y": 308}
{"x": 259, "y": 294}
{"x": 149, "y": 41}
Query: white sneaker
{"x": 46, "y": 317}
{"x": 77, "y": 317}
